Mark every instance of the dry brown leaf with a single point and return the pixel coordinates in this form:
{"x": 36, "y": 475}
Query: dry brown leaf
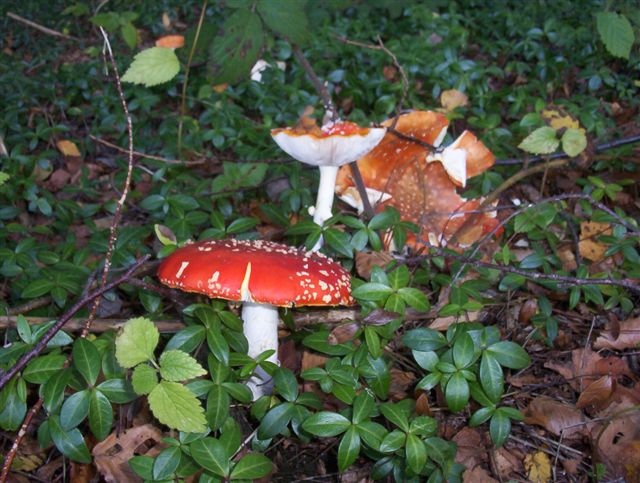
{"x": 443, "y": 323}
{"x": 68, "y": 148}
{"x": 527, "y": 310}
{"x": 311, "y": 360}
{"x": 112, "y": 455}
{"x": 477, "y": 475}
{"x": 567, "y": 258}
{"x": 505, "y": 463}
{"x": 423, "y": 408}
{"x": 400, "y": 382}
{"x": 471, "y": 451}
{"x": 343, "y": 333}
{"x": 365, "y": 261}
{"x": 452, "y": 98}
{"x": 538, "y": 467}
{"x": 616, "y": 444}
{"x": 597, "y": 393}
{"x": 589, "y": 247}
{"x": 571, "y": 466}
{"x": 556, "y": 417}
{"x": 628, "y": 336}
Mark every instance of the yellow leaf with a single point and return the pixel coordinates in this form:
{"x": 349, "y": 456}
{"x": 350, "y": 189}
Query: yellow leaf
{"x": 588, "y": 246}
{"x": 453, "y": 98}
{"x": 220, "y": 88}
{"x": 558, "y": 118}
{"x": 538, "y": 467}
{"x": 68, "y": 148}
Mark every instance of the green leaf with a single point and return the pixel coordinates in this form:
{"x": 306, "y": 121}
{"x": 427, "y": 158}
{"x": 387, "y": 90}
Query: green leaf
{"x": 211, "y": 455}
{"x": 40, "y": 369}
{"x": 166, "y": 463}
{"x": 424, "y": 340}
{"x": 574, "y": 142}
{"x": 396, "y": 414}
{"x": 75, "y": 409}
{"x": 439, "y": 450}
{"x": 463, "y": 351}
{"x": 491, "y": 377}
{"x": 372, "y": 433}
{"x": 251, "y": 467}
{"x": 393, "y": 441}
{"x": 349, "y": 448}
{"x": 218, "y": 403}
{"x": 177, "y": 407}
{"x": 119, "y": 391}
{"x": 53, "y": 390}
{"x": 38, "y": 288}
{"x": 144, "y": 379}
{"x": 218, "y": 344}
{"x": 481, "y": 415}
{"x": 286, "y": 384}
{"x": 275, "y": 421}
{"x": 142, "y": 466}
{"x": 69, "y": 443}
{"x": 287, "y": 18}
{"x": 339, "y": 241}
{"x": 239, "y": 392}
{"x": 457, "y": 392}
{"x": 23, "y": 327}
{"x": 416, "y": 453}
{"x": 137, "y": 342}
{"x": 372, "y": 291}
{"x": 326, "y": 424}
{"x": 129, "y": 34}
{"x": 177, "y": 365}
{"x": 363, "y": 406}
{"x": 152, "y": 66}
{"x": 236, "y": 51}
{"x": 373, "y": 341}
{"x": 509, "y": 354}
{"x": 423, "y": 426}
{"x": 100, "y": 415}
{"x": 616, "y": 33}
{"x": 541, "y": 141}
{"x": 414, "y": 298}
{"x": 499, "y": 428}
{"x": 86, "y": 360}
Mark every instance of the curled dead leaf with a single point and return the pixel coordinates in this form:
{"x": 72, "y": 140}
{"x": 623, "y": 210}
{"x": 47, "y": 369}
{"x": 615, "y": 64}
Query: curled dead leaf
{"x": 527, "y": 310}
{"x": 556, "y": 417}
{"x": 597, "y": 393}
{"x": 628, "y": 336}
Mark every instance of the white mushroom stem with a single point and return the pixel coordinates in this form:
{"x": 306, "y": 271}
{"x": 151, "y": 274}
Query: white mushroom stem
{"x": 261, "y": 331}
{"x": 324, "y": 201}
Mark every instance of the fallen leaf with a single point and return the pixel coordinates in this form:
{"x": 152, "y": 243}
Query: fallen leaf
{"x": 616, "y": 444}
{"x": 400, "y": 382}
{"x": 112, "y": 455}
{"x": 343, "y": 333}
{"x": 311, "y": 360}
{"x": 471, "y": 450}
{"x": 628, "y": 336}
{"x": 559, "y": 118}
{"x": 590, "y": 248}
{"x": 477, "y": 475}
{"x": 571, "y": 466}
{"x": 365, "y": 261}
{"x": 68, "y": 148}
{"x": 558, "y": 418}
{"x": 452, "y": 98}
{"x": 443, "y": 323}
{"x": 423, "y": 408}
{"x": 505, "y": 463}
{"x": 597, "y": 393}
{"x": 527, "y": 310}
{"x": 538, "y": 467}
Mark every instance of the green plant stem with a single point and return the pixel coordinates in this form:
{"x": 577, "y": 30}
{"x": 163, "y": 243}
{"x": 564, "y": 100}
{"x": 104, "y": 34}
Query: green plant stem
{"x": 183, "y": 96}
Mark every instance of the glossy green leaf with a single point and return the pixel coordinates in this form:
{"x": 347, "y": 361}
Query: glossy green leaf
{"x": 286, "y": 384}
{"x": 457, "y": 392}
{"x": 424, "y": 340}
{"x": 119, "y": 391}
{"x": 396, "y": 414}
{"x": 372, "y": 291}
{"x": 275, "y": 421}
{"x": 86, "y": 359}
{"x": 75, "y": 409}
{"x": 491, "y": 377}
{"x": 218, "y": 403}
{"x": 414, "y": 298}
{"x": 211, "y": 455}
{"x": 349, "y": 448}
{"x": 509, "y": 354}
{"x": 166, "y": 463}
{"x": 100, "y": 415}
{"x": 463, "y": 351}
{"x": 326, "y": 424}
{"x": 393, "y": 441}
{"x": 363, "y": 406}
{"x": 416, "y": 453}
{"x": 69, "y": 443}
{"x": 251, "y": 467}
{"x": 40, "y": 369}
{"x": 499, "y": 428}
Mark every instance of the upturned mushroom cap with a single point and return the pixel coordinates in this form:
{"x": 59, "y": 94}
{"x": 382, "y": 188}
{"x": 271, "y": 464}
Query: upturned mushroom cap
{"x": 421, "y": 190}
{"x": 335, "y": 144}
{"x": 170, "y": 41}
{"x": 257, "y": 271}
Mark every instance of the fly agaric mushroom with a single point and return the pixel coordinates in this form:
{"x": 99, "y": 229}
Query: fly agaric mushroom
{"x": 424, "y": 191}
{"x": 263, "y": 276}
{"x": 329, "y": 147}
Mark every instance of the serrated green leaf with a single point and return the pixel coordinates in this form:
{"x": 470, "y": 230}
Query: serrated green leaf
{"x": 252, "y": 467}
{"x": 152, "y": 66}
{"x": 616, "y": 33}
{"x": 144, "y": 379}
{"x": 287, "y": 18}
{"x": 86, "y": 359}
{"x": 326, "y": 424}
{"x": 236, "y": 51}
{"x": 177, "y": 407}
{"x": 541, "y": 141}
{"x": 574, "y": 142}
{"x": 137, "y": 342}
{"x": 177, "y": 365}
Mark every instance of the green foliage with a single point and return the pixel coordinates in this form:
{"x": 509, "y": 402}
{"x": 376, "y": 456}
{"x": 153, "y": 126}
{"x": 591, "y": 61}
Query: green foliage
{"x": 616, "y": 33}
{"x": 152, "y": 66}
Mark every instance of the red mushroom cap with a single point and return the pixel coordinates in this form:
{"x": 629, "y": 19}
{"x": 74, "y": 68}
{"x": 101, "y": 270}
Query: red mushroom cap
{"x": 257, "y": 271}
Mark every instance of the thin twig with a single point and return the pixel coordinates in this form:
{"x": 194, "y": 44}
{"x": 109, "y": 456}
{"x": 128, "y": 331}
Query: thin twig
{"x": 183, "y": 101}
{"x": 45, "y": 30}
{"x": 139, "y": 154}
